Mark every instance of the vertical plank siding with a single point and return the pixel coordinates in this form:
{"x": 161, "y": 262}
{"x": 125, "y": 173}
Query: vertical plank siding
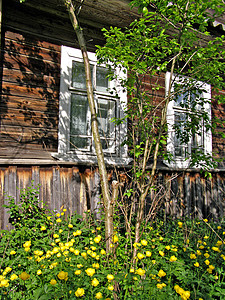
{"x": 178, "y": 194}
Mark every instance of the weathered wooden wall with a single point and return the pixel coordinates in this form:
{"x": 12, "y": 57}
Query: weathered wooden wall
{"x": 30, "y": 96}
{"x": 77, "y": 189}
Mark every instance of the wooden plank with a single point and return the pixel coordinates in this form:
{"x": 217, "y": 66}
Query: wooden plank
{"x": 56, "y": 190}
{"x": 9, "y": 88}
{"x": 27, "y": 118}
{"x": 30, "y": 40}
{"x": 23, "y": 152}
{"x": 46, "y": 177}
{"x": 75, "y": 191}
{"x": 35, "y": 175}
{"x": 31, "y": 64}
{"x": 30, "y": 78}
{"x": 46, "y": 26}
{"x": 2, "y": 196}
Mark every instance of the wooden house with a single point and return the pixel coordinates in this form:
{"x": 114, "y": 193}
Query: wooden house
{"x": 38, "y": 50}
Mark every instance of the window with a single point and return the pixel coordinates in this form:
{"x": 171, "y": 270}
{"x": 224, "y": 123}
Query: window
{"x": 75, "y": 138}
{"x": 190, "y": 104}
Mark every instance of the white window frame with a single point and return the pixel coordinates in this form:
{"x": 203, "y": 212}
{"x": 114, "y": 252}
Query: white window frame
{"x": 117, "y": 155}
{"x": 181, "y": 162}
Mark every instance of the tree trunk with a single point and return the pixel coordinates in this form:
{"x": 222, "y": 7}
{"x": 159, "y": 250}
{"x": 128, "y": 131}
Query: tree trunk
{"x": 107, "y": 203}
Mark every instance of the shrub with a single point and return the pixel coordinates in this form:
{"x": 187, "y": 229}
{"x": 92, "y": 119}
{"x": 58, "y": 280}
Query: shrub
{"x": 56, "y": 256}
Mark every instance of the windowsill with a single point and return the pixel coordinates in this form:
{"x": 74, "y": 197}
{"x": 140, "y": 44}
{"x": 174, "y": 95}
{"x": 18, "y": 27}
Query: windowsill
{"x": 91, "y": 160}
{"x": 178, "y": 164}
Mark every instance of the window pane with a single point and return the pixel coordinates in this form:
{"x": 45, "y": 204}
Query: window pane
{"x": 78, "y": 121}
{"x": 106, "y": 112}
{"x": 78, "y": 75}
{"x": 102, "y": 82}
{"x": 180, "y": 149}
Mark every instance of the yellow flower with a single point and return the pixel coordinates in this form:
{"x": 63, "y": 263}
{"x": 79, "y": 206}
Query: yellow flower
{"x": 13, "y": 277}
{"x": 39, "y": 272}
{"x": 102, "y": 251}
{"x": 76, "y": 252}
{"x": 98, "y": 295}
{"x": 167, "y": 247}
{"x": 180, "y": 224}
{"x": 97, "y": 239}
{"x": 115, "y": 239}
{"x": 58, "y": 220}
{"x": 95, "y": 282}
{"x": 144, "y": 242}
{"x": 131, "y": 270}
{"x": 219, "y": 243}
{"x": 161, "y": 253}
{"x": 27, "y": 244}
{"x": 140, "y": 256}
{"x": 43, "y": 228}
{"x": 148, "y": 254}
{"x": 7, "y": 270}
{"x": 192, "y": 256}
{"x": 216, "y": 249}
{"x": 207, "y": 262}
{"x": 70, "y": 225}
{"x": 205, "y": 220}
{"x": 110, "y": 288}
{"x": 79, "y": 266}
{"x": 140, "y": 272}
{"x": 211, "y": 267}
{"x": 173, "y": 258}
{"x": 95, "y": 265}
{"x": 160, "y": 285}
{"x": 77, "y": 272}
{"x": 60, "y": 230}
{"x": 24, "y": 276}
{"x": 90, "y": 272}
{"x": 196, "y": 264}
{"x": 110, "y": 277}
{"x": 199, "y": 252}
{"x": 63, "y": 275}
{"x": 84, "y": 254}
{"x": 161, "y": 273}
{"x": 79, "y": 292}
{"x": 206, "y": 255}
{"x": 4, "y": 282}
{"x": 53, "y": 282}
{"x": 12, "y": 252}
{"x": 78, "y": 232}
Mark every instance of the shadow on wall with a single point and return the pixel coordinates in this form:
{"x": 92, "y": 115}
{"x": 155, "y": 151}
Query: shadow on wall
{"x": 30, "y": 92}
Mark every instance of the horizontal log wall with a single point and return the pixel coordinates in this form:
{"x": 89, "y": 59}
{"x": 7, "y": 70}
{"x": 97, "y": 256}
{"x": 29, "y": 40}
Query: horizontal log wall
{"x": 30, "y": 95}
{"x": 77, "y": 189}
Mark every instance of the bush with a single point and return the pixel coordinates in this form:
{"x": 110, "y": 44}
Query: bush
{"x": 54, "y": 256}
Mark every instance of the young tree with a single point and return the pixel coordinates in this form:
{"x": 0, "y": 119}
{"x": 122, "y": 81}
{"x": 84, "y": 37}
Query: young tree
{"x": 169, "y": 36}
